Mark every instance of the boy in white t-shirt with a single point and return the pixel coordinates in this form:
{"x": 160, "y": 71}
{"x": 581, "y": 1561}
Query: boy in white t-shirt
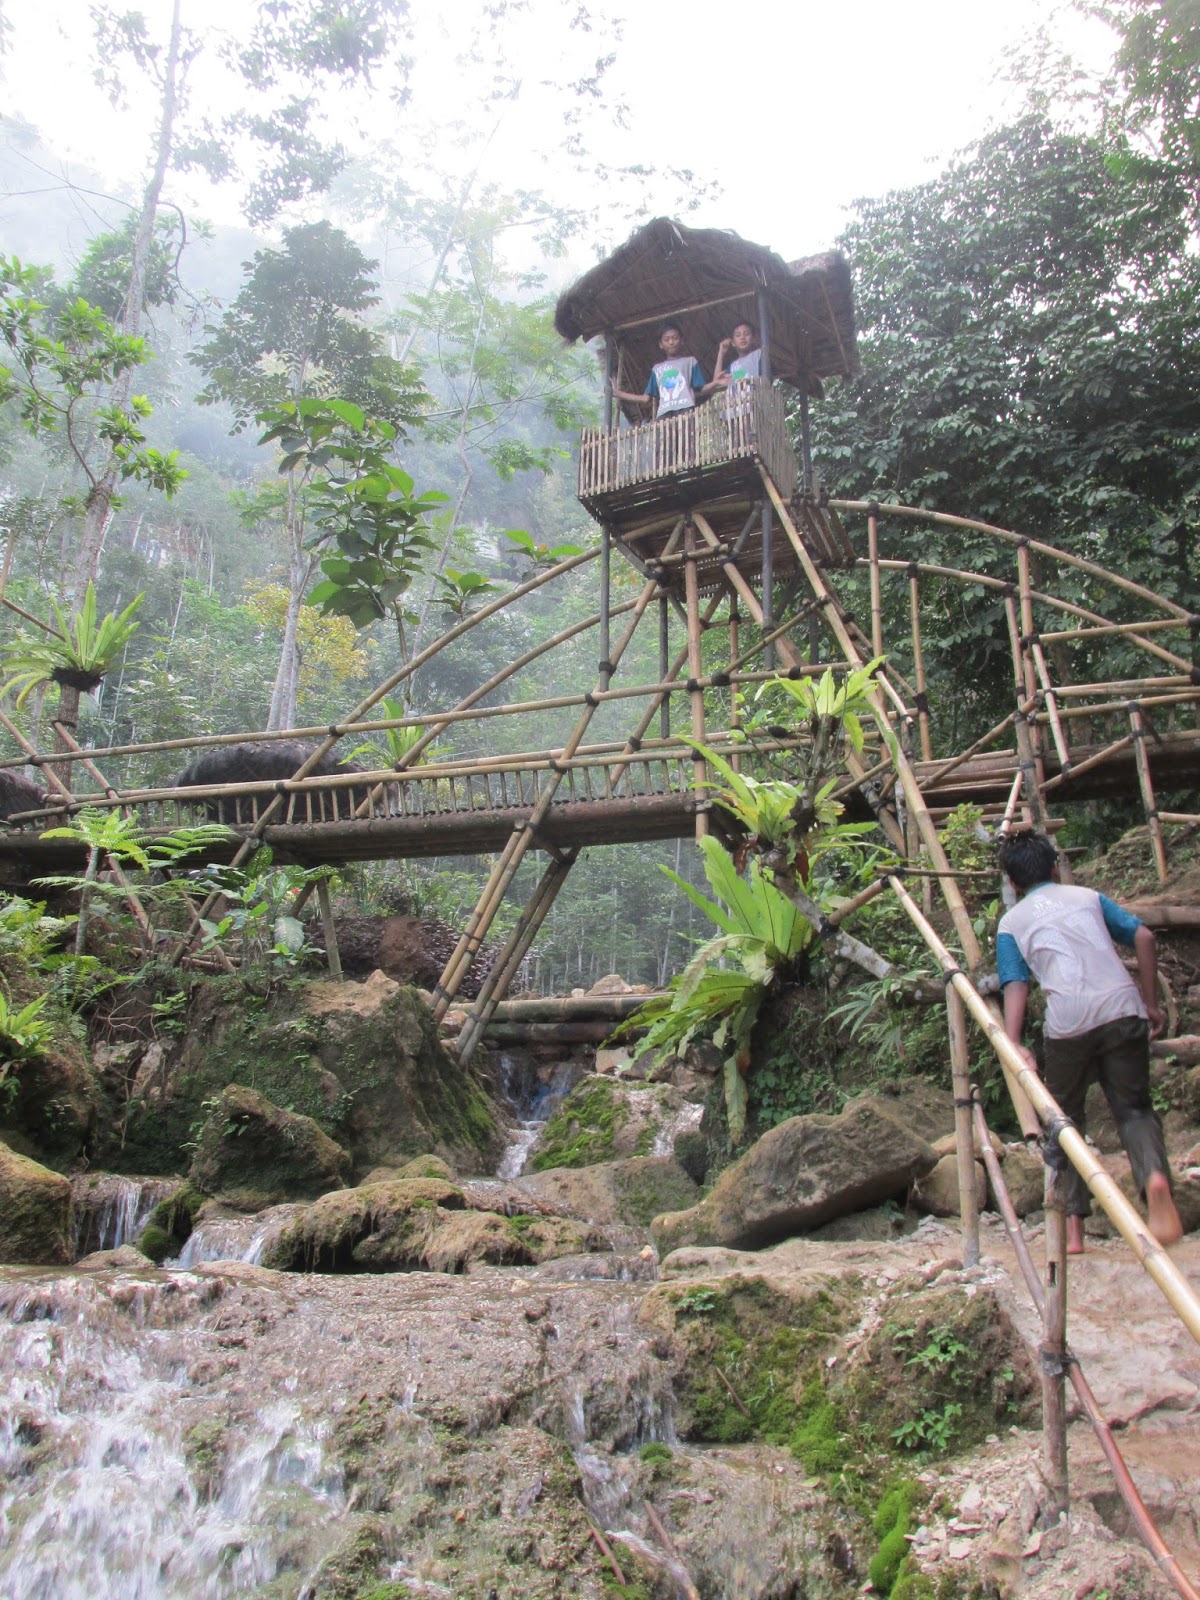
{"x": 1098, "y": 1021}
{"x": 676, "y": 383}
{"x": 742, "y": 353}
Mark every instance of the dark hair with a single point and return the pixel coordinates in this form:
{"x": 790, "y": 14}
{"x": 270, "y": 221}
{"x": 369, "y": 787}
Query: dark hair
{"x": 744, "y": 322}
{"x": 1029, "y": 858}
{"x": 663, "y": 326}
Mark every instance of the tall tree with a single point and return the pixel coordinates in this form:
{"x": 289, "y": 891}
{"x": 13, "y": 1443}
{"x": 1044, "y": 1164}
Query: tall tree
{"x": 292, "y": 47}
{"x": 296, "y": 332}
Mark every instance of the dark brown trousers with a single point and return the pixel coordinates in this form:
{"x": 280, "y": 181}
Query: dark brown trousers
{"x": 1116, "y": 1055}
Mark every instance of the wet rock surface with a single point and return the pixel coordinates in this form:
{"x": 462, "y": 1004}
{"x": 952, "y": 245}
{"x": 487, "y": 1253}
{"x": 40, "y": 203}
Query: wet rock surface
{"x": 231, "y": 1430}
{"x": 605, "y": 1118}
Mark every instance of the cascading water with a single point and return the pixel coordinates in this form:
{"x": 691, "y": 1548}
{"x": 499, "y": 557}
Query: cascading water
{"x": 534, "y": 1098}
{"x": 237, "y": 1238}
{"x": 109, "y": 1210}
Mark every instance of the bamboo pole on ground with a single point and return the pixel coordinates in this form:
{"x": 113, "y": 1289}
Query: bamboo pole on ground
{"x": 960, "y": 1071}
{"x": 1028, "y": 1090}
{"x": 1137, "y": 729}
{"x": 332, "y": 954}
{"x": 1054, "y": 1347}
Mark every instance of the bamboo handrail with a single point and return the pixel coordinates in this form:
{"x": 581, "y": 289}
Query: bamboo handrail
{"x": 1128, "y": 1489}
{"x": 1021, "y": 1076}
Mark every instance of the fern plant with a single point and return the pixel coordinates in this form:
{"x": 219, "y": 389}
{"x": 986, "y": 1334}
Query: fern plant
{"x": 76, "y": 656}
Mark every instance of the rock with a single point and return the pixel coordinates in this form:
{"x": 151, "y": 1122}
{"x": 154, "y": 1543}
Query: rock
{"x": 801, "y": 1174}
{"x": 603, "y": 1119}
{"x": 427, "y": 1167}
{"x": 53, "y": 1096}
{"x": 1024, "y": 1178}
{"x": 417, "y": 1223}
{"x": 363, "y": 1060}
{"x": 937, "y": 1191}
{"x": 630, "y": 1192}
{"x": 125, "y": 1258}
{"x": 613, "y": 983}
{"x": 35, "y": 1212}
{"x": 920, "y": 1105}
{"x": 615, "y": 1060}
{"x": 252, "y": 1154}
{"x": 947, "y": 1145}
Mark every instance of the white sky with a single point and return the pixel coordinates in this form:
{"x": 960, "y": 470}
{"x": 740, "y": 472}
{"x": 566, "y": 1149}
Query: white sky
{"x": 794, "y": 109}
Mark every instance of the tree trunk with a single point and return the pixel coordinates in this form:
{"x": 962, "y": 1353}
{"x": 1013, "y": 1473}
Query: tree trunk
{"x": 99, "y": 510}
{"x": 67, "y": 712}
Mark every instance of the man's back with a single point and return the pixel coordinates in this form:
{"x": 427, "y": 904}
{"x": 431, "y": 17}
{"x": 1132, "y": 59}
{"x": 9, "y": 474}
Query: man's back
{"x": 1066, "y": 939}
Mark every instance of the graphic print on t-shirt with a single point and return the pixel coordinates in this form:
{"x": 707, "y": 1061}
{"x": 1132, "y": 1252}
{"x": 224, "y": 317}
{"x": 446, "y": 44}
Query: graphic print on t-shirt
{"x": 673, "y": 389}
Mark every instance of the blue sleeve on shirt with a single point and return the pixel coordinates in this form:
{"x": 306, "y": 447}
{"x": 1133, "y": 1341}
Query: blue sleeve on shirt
{"x": 1010, "y": 963}
{"x": 652, "y": 386}
{"x": 698, "y": 378}
{"x": 1120, "y": 923}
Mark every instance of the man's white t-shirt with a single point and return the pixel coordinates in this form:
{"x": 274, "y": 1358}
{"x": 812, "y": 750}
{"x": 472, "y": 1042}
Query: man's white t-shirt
{"x": 1064, "y": 939}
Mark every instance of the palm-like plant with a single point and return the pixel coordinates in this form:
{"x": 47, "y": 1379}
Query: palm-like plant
{"x": 75, "y": 657}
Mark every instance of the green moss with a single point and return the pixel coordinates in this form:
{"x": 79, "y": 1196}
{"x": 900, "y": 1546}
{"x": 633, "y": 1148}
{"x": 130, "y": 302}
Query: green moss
{"x": 170, "y": 1224}
{"x": 646, "y": 1191}
{"x": 656, "y": 1451}
{"x": 891, "y": 1523}
{"x": 204, "y": 1447}
{"x": 582, "y": 1132}
{"x": 744, "y": 1345}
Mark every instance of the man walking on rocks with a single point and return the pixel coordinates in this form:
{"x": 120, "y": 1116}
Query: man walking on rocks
{"x": 1098, "y": 1025}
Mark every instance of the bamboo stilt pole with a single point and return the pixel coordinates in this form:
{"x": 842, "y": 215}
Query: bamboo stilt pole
{"x": 876, "y": 594}
{"x": 696, "y": 694}
{"x": 790, "y": 655}
{"x": 1137, "y": 730}
{"x": 1027, "y": 1089}
{"x": 960, "y": 1071}
{"x": 1054, "y": 1349}
{"x": 735, "y": 713}
{"x": 912, "y": 793}
{"x": 516, "y": 947}
{"x": 332, "y": 954}
{"x": 922, "y": 701}
{"x": 1092, "y": 761}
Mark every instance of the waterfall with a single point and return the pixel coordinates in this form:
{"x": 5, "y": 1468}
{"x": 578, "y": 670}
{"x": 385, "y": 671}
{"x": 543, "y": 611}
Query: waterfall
{"x": 109, "y": 1210}
{"x": 534, "y": 1096}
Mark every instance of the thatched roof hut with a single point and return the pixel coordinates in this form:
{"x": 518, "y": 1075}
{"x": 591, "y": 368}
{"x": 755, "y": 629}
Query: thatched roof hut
{"x": 710, "y": 279}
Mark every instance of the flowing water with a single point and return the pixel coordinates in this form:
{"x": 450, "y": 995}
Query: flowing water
{"x": 534, "y": 1098}
{"x": 235, "y": 1238}
{"x": 109, "y": 1210}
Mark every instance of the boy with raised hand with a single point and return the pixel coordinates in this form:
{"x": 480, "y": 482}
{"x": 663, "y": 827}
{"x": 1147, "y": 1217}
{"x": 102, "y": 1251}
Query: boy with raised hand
{"x": 1098, "y": 1025}
{"x": 677, "y": 382}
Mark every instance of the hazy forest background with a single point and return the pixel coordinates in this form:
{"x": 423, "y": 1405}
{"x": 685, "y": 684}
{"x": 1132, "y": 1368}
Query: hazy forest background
{"x": 1028, "y": 320}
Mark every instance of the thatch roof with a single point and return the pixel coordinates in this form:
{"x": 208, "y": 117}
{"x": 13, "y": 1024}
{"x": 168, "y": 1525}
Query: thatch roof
{"x": 708, "y": 279}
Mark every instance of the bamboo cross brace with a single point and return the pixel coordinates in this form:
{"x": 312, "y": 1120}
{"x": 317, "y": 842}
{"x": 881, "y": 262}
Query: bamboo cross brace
{"x": 1137, "y": 730}
{"x": 912, "y": 793}
{"x": 1027, "y": 1088}
{"x": 510, "y": 859}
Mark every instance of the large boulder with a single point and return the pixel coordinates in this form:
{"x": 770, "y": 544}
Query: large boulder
{"x": 362, "y": 1060}
{"x": 937, "y": 1191}
{"x": 252, "y": 1155}
{"x": 605, "y": 1119}
{"x": 413, "y": 1224}
{"x": 801, "y": 1174}
{"x": 35, "y": 1213}
{"x": 612, "y": 1193}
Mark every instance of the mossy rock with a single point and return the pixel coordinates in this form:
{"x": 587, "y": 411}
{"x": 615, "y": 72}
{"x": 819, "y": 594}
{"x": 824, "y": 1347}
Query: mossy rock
{"x": 740, "y": 1347}
{"x": 252, "y": 1154}
{"x": 35, "y": 1212}
{"x": 169, "y": 1226}
{"x": 51, "y": 1099}
{"x": 363, "y": 1061}
{"x": 604, "y": 1119}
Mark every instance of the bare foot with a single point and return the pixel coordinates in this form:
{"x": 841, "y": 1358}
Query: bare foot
{"x": 1164, "y": 1219}
{"x": 1074, "y": 1236}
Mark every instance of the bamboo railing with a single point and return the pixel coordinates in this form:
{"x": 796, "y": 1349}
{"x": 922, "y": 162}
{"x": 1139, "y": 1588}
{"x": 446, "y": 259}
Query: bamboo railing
{"x": 746, "y": 422}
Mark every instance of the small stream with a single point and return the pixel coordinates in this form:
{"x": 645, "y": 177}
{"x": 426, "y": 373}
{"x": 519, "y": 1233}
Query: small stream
{"x": 534, "y": 1095}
